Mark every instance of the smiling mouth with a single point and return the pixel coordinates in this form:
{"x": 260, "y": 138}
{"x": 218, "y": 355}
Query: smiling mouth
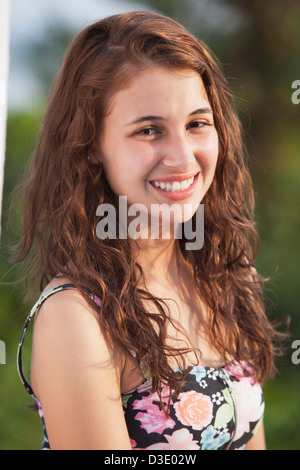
{"x": 175, "y": 186}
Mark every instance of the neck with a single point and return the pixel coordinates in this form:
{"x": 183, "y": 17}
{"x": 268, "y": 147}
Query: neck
{"x": 160, "y": 260}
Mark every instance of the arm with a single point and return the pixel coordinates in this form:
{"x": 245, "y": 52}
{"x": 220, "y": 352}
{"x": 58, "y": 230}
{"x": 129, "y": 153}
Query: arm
{"x": 77, "y": 377}
{"x": 257, "y": 442}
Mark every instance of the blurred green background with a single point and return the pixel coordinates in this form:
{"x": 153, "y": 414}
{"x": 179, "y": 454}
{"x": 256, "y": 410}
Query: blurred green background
{"x": 258, "y": 43}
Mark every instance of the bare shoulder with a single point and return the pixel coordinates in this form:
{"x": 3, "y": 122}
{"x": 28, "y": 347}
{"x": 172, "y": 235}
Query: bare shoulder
{"x": 258, "y": 441}
{"x": 65, "y": 316}
{"x": 66, "y": 323}
{"x": 76, "y": 374}
{"x": 64, "y": 298}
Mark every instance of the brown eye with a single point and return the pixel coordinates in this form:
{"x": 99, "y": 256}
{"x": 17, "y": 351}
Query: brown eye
{"x": 148, "y": 131}
{"x": 197, "y": 125}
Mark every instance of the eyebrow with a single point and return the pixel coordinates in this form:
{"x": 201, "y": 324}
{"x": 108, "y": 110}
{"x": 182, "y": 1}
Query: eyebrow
{"x": 206, "y": 110}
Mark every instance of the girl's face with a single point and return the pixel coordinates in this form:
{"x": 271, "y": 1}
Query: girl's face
{"x": 159, "y": 144}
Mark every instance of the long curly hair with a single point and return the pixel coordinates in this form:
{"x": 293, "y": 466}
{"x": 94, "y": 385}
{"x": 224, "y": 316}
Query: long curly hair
{"x": 63, "y": 189}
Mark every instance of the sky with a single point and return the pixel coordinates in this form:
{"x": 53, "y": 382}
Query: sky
{"x": 30, "y": 20}
{"x": 28, "y": 23}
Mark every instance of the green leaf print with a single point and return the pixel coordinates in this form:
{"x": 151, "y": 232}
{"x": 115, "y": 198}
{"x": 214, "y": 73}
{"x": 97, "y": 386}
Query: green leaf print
{"x": 125, "y": 399}
{"x": 223, "y": 415}
{"x": 227, "y": 395}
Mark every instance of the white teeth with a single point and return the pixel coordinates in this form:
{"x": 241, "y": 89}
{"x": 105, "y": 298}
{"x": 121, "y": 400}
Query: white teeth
{"x": 184, "y": 185}
{"x": 176, "y": 186}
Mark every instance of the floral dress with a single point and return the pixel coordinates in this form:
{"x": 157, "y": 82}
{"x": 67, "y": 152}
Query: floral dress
{"x": 216, "y": 409}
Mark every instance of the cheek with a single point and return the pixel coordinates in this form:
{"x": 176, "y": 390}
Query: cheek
{"x": 144, "y": 154}
{"x": 209, "y": 152}
{"x": 126, "y": 167}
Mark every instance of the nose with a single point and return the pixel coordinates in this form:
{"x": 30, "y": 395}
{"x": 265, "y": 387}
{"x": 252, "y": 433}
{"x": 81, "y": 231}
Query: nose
{"x": 179, "y": 152}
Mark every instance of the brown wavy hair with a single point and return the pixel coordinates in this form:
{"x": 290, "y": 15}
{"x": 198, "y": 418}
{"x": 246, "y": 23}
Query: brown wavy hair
{"x": 63, "y": 190}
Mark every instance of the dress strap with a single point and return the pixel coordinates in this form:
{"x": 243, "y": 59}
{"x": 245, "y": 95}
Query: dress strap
{"x": 32, "y": 313}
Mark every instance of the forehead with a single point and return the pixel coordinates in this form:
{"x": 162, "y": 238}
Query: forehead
{"x": 156, "y": 87}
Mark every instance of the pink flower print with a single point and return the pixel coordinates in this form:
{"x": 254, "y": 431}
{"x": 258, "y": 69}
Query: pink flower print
{"x": 95, "y": 299}
{"x": 148, "y": 400}
{"x": 165, "y": 394}
{"x": 249, "y": 404}
{"x": 144, "y": 387}
{"x": 133, "y": 443}
{"x": 179, "y": 440}
{"x": 238, "y": 369}
{"x": 40, "y": 409}
{"x": 154, "y": 420}
{"x": 194, "y": 409}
